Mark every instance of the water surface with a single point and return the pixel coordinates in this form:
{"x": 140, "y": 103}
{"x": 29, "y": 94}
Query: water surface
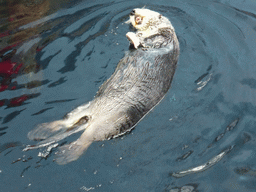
{"x": 54, "y": 55}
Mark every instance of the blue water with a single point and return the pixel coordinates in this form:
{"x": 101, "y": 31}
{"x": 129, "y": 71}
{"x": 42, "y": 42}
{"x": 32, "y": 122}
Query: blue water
{"x": 54, "y": 55}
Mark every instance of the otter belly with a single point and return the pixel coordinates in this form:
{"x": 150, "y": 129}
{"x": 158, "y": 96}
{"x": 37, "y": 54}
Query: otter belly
{"x": 140, "y": 81}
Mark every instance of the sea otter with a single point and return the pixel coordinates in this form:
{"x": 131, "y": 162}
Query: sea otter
{"x": 140, "y": 81}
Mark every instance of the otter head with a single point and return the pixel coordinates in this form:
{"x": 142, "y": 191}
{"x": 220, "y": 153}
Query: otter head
{"x": 148, "y": 24}
{"x": 144, "y": 19}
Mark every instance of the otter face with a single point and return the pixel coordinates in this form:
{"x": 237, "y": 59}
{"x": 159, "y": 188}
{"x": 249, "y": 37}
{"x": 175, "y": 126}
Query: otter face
{"x": 142, "y": 19}
{"x": 148, "y": 24}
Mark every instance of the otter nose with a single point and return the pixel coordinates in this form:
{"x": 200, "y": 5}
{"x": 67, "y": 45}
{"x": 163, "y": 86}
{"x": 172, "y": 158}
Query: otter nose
{"x": 132, "y": 12}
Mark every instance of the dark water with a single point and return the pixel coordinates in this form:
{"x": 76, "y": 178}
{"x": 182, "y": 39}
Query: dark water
{"x": 202, "y": 137}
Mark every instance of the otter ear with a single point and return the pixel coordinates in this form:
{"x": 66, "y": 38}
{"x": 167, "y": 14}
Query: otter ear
{"x": 160, "y": 16}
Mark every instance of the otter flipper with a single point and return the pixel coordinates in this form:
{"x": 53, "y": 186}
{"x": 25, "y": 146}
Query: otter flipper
{"x": 74, "y": 150}
{"x": 46, "y": 130}
{"x": 57, "y": 137}
{"x": 76, "y": 117}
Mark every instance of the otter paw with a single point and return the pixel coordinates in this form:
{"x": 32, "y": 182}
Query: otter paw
{"x": 133, "y": 39}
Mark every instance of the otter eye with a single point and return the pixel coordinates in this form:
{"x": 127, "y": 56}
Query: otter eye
{"x": 132, "y": 12}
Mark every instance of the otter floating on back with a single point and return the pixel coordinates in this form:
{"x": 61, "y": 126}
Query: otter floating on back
{"x": 139, "y": 83}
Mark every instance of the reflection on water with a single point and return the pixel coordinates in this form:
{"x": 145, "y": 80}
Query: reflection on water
{"x": 55, "y": 54}
{"x": 19, "y": 47}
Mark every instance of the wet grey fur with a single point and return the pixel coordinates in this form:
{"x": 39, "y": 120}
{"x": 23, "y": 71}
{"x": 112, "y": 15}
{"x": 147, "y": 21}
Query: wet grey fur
{"x": 141, "y": 79}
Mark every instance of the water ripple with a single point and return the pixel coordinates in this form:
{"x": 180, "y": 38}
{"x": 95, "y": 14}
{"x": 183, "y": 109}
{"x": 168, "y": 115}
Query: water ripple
{"x": 54, "y": 57}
